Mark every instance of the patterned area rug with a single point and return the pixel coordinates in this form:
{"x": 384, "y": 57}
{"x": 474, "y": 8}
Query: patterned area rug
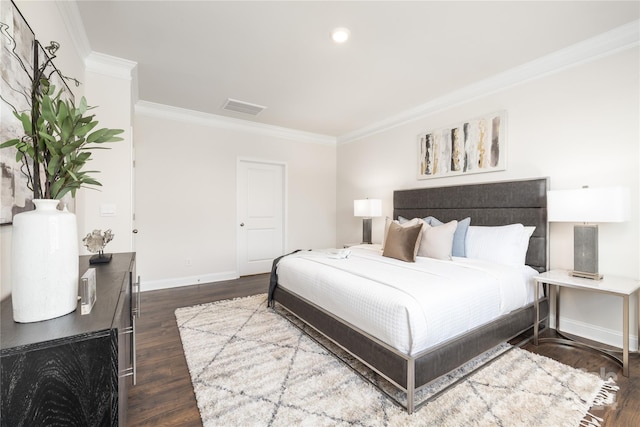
{"x": 252, "y": 367}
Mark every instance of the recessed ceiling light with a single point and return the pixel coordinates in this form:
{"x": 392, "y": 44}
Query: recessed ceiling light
{"x": 340, "y": 35}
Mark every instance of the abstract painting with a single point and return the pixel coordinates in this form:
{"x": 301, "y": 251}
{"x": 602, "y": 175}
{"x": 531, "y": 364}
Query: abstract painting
{"x": 17, "y": 71}
{"x": 473, "y": 146}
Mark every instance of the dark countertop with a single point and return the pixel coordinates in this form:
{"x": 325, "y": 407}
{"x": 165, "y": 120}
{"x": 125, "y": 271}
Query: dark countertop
{"x": 109, "y": 282}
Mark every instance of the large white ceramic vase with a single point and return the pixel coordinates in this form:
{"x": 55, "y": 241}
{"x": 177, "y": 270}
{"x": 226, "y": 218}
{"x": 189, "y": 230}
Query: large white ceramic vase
{"x": 44, "y": 263}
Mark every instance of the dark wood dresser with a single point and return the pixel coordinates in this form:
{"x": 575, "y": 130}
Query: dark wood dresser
{"x": 73, "y": 370}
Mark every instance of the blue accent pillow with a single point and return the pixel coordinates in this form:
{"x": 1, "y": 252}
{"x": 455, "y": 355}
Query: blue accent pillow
{"x": 459, "y": 237}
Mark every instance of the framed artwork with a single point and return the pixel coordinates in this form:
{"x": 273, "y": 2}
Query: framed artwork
{"x": 473, "y": 146}
{"x": 18, "y": 61}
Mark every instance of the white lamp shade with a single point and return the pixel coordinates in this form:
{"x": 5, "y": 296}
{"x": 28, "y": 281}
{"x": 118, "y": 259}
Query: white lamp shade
{"x": 589, "y": 205}
{"x": 367, "y": 208}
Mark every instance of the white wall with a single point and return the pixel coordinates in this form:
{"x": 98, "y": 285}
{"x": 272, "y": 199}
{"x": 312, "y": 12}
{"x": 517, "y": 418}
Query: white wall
{"x": 110, "y": 87}
{"x": 185, "y": 197}
{"x": 578, "y": 127}
{"x": 47, "y": 23}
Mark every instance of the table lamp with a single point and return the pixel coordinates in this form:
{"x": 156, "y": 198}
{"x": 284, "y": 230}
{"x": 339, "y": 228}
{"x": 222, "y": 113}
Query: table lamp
{"x": 588, "y": 206}
{"x": 367, "y": 209}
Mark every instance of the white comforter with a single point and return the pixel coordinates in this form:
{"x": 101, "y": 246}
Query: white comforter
{"x": 410, "y": 306}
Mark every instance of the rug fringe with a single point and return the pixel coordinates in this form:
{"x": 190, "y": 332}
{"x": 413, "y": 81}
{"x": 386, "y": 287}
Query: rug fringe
{"x": 593, "y": 422}
{"x": 605, "y": 396}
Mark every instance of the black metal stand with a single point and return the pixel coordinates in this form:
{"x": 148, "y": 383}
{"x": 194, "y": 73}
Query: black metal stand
{"x": 100, "y": 258}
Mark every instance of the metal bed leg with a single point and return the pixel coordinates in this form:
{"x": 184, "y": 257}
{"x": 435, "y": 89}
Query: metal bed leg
{"x": 411, "y": 385}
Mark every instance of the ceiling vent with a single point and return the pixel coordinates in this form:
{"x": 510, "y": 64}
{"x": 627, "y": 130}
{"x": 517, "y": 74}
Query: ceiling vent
{"x": 242, "y": 107}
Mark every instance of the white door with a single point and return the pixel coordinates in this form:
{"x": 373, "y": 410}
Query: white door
{"x": 134, "y": 229}
{"x": 261, "y": 201}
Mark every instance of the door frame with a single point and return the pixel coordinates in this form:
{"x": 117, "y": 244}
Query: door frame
{"x": 285, "y": 202}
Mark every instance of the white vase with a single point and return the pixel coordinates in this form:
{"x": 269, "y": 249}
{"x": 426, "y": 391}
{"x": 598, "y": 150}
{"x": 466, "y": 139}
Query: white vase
{"x": 44, "y": 263}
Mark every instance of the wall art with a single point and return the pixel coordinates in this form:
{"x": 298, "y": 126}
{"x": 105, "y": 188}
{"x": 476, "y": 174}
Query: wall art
{"x": 472, "y": 146}
{"x": 17, "y": 58}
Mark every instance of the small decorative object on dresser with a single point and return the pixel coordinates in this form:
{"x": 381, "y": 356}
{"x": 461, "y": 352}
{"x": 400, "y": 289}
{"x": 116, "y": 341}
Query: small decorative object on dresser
{"x": 88, "y": 291}
{"x": 95, "y": 243}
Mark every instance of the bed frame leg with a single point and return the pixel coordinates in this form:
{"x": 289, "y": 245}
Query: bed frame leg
{"x": 411, "y": 385}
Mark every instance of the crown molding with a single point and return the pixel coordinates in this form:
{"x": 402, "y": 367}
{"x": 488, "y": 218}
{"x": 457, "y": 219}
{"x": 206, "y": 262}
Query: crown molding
{"x": 617, "y": 40}
{"x": 111, "y": 66}
{"x": 162, "y": 111}
{"x": 73, "y": 22}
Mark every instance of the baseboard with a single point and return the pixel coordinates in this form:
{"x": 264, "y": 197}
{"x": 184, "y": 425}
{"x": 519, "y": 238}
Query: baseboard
{"x": 599, "y": 334}
{"x": 176, "y": 282}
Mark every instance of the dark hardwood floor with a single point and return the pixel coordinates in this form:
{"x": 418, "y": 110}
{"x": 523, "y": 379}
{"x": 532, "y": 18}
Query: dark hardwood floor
{"x": 164, "y": 395}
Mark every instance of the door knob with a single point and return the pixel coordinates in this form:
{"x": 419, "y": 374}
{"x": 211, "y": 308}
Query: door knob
{"x": 135, "y": 231}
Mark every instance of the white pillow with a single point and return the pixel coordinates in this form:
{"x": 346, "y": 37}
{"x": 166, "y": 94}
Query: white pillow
{"x": 437, "y": 242}
{"x": 506, "y": 244}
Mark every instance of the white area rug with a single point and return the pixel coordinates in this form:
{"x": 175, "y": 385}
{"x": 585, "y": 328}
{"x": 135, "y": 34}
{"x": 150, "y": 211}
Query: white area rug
{"x": 251, "y": 367}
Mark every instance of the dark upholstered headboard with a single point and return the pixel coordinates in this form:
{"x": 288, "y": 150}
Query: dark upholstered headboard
{"x": 491, "y": 204}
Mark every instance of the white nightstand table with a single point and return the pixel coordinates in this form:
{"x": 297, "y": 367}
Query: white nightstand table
{"x": 612, "y": 285}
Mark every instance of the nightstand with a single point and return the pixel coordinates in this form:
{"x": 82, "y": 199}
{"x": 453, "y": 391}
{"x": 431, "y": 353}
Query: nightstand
{"x": 613, "y": 285}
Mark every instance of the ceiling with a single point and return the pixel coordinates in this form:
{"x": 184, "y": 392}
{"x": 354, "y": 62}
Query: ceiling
{"x": 196, "y": 54}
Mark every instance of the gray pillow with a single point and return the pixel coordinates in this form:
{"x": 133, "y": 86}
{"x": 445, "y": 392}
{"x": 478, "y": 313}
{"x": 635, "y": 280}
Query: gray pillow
{"x": 459, "y": 237}
{"x": 402, "y": 242}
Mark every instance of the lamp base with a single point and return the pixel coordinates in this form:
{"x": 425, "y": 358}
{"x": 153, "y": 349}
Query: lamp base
{"x": 584, "y": 275}
{"x": 366, "y": 231}
{"x": 585, "y": 251}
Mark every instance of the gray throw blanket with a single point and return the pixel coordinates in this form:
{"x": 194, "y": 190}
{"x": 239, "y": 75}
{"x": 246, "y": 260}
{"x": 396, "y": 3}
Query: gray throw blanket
{"x": 273, "y": 280}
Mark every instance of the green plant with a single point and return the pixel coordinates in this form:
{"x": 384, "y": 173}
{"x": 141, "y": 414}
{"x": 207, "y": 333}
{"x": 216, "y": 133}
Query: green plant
{"x": 57, "y": 142}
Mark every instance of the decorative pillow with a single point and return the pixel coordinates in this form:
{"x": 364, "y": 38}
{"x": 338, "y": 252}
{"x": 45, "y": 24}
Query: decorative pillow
{"x": 460, "y": 236}
{"x": 437, "y": 242}
{"x": 402, "y": 242}
{"x": 401, "y": 221}
{"x": 506, "y": 244}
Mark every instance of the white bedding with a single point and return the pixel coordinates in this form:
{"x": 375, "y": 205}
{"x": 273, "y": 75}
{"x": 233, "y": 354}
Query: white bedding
{"x": 410, "y": 306}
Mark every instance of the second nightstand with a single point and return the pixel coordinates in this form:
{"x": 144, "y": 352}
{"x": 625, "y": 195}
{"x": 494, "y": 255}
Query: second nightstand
{"x": 612, "y": 285}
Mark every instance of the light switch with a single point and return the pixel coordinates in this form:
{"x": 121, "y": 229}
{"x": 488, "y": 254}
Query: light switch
{"x": 107, "y": 209}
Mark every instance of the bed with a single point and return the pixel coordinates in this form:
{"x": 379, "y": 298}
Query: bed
{"x": 411, "y": 362}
